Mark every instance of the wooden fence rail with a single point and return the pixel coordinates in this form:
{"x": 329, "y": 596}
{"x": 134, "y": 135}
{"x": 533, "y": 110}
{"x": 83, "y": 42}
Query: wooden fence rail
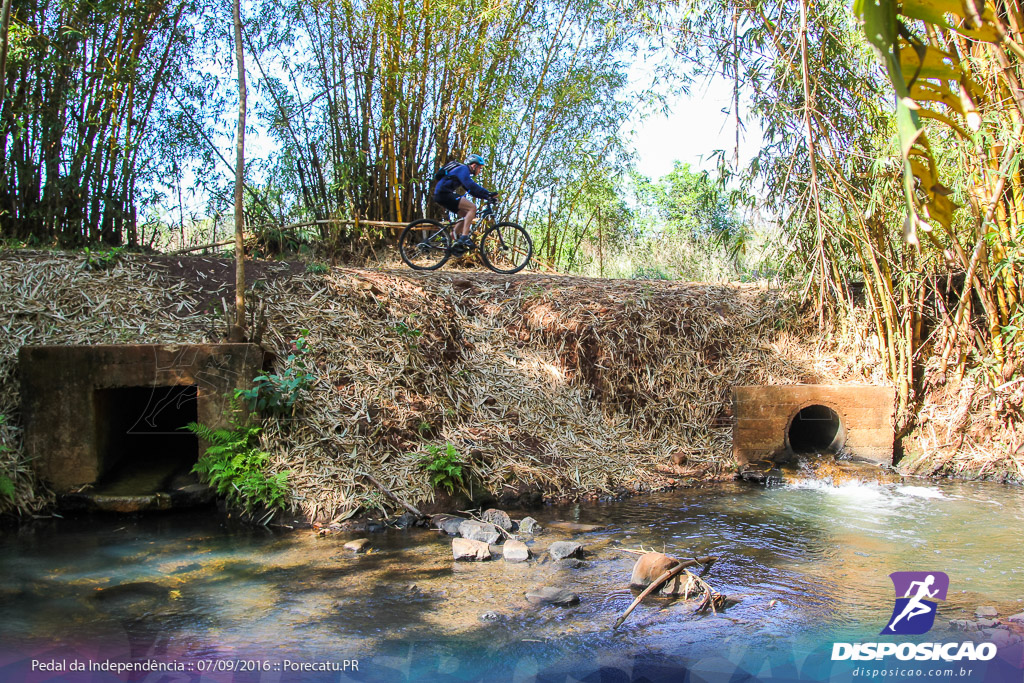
{"x": 293, "y": 226}
{"x": 388, "y": 225}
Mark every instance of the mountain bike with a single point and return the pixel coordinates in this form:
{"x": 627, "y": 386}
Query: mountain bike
{"x": 505, "y": 247}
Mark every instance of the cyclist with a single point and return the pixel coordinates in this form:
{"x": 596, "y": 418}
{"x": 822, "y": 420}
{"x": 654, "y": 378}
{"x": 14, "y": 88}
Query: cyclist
{"x": 460, "y": 177}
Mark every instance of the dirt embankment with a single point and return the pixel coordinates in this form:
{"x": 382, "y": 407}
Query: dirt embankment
{"x": 559, "y": 385}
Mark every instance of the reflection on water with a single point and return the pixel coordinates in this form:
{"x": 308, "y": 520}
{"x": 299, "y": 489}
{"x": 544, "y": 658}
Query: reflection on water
{"x": 809, "y": 560}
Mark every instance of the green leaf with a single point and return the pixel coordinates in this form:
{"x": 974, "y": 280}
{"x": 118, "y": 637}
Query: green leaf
{"x": 7, "y": 489}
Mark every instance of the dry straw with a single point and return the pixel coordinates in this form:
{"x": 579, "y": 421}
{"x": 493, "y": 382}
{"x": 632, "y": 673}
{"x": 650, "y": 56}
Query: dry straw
{"x": 565, "y": 385}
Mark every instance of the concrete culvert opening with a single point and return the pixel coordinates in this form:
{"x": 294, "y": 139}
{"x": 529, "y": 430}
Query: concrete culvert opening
{"x": 140, "y": 441}
{"x": 816, "y": 429}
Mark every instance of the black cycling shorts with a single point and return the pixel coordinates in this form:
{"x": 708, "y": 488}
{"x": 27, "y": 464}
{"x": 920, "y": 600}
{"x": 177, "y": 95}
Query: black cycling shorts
{"x": 448, "y": 200}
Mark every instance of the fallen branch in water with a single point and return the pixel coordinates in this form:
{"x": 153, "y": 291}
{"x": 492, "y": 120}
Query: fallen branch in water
{"x": 706, "y": 562}
{"x": 713, "y": 600}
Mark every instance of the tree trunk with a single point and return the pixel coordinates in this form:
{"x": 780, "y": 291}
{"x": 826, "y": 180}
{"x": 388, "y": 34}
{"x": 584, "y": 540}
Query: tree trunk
{"x": 238, "y": 329}
{"x": 5, "y": 22}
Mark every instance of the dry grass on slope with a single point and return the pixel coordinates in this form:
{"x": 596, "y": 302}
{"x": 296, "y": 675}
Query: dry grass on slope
{"x": 968, "y": 429}
{"x": 563, "y": 385}
{"x": 566, "y": 385}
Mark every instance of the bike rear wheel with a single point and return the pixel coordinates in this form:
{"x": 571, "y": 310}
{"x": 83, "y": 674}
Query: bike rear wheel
{"x": 424, "y": 245}
{"x": 506, "y": 248}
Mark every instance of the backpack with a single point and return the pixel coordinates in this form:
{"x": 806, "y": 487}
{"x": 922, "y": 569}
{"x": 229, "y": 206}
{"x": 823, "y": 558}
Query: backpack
{"x": 445, "y": 170}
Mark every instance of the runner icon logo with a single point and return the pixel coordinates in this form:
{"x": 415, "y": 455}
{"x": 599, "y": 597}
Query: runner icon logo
{"x": 916, "y": 592}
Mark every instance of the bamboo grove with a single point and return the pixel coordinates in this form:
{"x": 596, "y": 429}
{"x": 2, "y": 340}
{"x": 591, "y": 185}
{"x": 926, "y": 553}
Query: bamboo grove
{"x": 960, "y": 66}
{"x": 112, "y": 106}
{"x": 80, "y": 82}
{"x": 393, "y": 90}
{"x": 916, "y": 211}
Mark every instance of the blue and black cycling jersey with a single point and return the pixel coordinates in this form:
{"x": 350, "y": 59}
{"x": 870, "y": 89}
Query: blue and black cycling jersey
{"x": 458, "y": 178}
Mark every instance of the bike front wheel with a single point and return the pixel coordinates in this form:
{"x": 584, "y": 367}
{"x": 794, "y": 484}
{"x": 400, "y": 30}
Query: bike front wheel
{"x": 424, "y": 245}
{"x": 506, "y": 248}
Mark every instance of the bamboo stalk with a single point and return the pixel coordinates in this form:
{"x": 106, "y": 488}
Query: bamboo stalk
{"x": 237, "y": 332}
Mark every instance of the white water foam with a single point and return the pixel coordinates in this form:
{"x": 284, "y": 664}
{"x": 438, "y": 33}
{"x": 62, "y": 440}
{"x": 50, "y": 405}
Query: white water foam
{"x": 852, "y": 488}
{"x": 884, "y": 496}
{"x": 921, "y": 491}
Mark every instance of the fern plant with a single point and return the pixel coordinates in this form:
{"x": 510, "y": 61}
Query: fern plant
{"x": 444, "y": 467}
{"x": 236, "y": 468}
{"x": 6, "y": 487}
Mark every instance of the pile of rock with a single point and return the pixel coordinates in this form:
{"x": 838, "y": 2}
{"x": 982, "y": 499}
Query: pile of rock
{"x": 494, "y": 533}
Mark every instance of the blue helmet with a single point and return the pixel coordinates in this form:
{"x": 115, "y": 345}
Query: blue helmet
{"x": 475, "y": 159}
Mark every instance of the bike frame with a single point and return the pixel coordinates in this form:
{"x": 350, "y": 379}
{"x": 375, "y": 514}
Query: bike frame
{"x": 432, "y": 240}
{"x": 485, "y": 215}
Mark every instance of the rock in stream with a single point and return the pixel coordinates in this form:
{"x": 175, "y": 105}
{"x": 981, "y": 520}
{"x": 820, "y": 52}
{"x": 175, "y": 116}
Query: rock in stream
{"x": 468, "y": 549}
{"x": 553, "y": 596}
{"x": 560, "y": 550}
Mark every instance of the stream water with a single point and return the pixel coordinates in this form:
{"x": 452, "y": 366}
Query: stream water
{"x": 809, "y": 563}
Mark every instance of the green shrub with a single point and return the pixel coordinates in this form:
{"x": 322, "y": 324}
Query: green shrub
{"x": 318, "y": 268}
{"x": 407, "y": 334}
{"x": 409, "y": 337}
{"x": 6, "y": 487}
{"x": 102, "y": 260}
{"x": 236, "y": 468}
{"x": 444, "y": 467}
{"x": 650, "y": 273}
{"x": 277, "y": 394}
{"x": 6, "y": 483}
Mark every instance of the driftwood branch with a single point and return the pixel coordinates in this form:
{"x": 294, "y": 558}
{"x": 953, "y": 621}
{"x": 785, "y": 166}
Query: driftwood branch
{"x": 211, "y": 245}
{"x": 657, "y": 583}
{"x": 713, "y": 600}
{"x": 387, "y": 492}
